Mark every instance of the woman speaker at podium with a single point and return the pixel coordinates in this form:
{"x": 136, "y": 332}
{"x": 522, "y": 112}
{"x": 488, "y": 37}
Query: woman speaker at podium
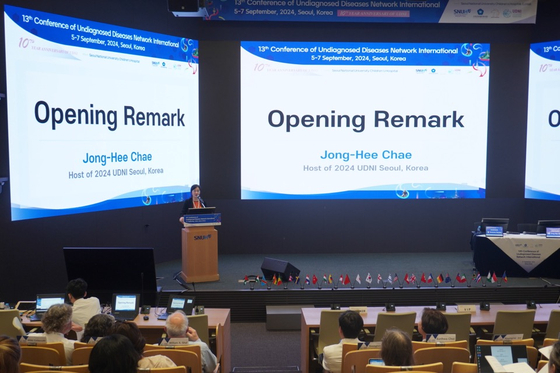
{"x": 195, "y": 202}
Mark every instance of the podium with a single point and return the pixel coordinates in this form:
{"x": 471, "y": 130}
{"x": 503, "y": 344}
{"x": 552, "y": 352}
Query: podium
{"x": 200, "y": 248}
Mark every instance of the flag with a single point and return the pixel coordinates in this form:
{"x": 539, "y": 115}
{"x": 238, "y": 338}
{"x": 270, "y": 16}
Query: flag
{"x": 406, "y": 279}
{"x": 494, "y": 278}
{"x": 369, "y": 279}
{"x": 346, "y": 280}
{"x": 478, "y": 277}
{"x": 314, "y": 280}
{"x": 245, "y": 280}
{"x": 396, "y": 278}
{"x": 413, "y": 278}
{"x": 307, "y": 281}
{"x": 279, "y": 282}
{"x": 296, "y": 281}
{"x": 341, "y": 279}
{"x": 489, "y": 277}
{"x": 330, "y": 279}
{"x": 462, "y": 279}
{"x": 458, "y": 277}
{"x": 274, "y": 280}
{"x": 325, "y": 278}
{"x": 290, "y": 279}
{"x": 423, "y": 278}
{"x": 263, "y": 281}
{"x": 504, "y": 277}
{"x": 389, "y": 279}
{"x": 447, "y": 278}
{"x": 358, "y": 279}
{"x": 439, "y": 278}
{"x": 430, "y": 278}
{"x": 379, "y": 278}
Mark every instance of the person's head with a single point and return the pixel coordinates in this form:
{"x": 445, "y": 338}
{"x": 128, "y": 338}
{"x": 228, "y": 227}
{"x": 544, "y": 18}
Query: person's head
{"x": 176, "y": 325}
{"x": 99, "y": 325}
{"x": 131, "y": 331}
{"x": 10, "y": 355}
{"x": 554, "y": 360}
{"x": 195, "y": 190}
{"x": 76, "y": 289}
{"x": 432, "y": 322}
{"x": 396, "y": 348}
{"x": 350, "y": 324}
{"x": 57, "y": 319}
{"x": 113, "y": 354}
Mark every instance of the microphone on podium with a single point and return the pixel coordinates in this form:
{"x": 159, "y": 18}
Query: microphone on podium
{"x": 201, "y": 201}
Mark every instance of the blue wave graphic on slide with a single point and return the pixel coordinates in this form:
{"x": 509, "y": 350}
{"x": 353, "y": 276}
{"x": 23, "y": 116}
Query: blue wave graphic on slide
{"x": 401, "y": 191}
{"x": 144, "y": 197}
{"x": 539, "y": 194}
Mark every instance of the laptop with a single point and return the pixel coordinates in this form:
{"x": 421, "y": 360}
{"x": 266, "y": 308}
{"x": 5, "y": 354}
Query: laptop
{"x": 125, "y": 306}
{"x": 176, "y": 303}
{"x": 505, "y": 354}
{"x": 44, "y": 301}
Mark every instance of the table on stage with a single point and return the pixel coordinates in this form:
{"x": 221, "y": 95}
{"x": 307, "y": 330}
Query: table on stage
{"x": 310, "y": 318}
{"x": 519, "y": 255}
{"x": 152, "y": 329}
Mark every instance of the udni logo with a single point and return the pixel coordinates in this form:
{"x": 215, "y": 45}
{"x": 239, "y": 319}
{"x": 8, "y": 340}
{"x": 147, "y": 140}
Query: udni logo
{"x": 206, "y": 237}
{"x": 462, "y": 11}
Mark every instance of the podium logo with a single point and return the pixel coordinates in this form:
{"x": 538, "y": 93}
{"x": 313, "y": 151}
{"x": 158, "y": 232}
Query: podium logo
{"x": 206, "y": 237}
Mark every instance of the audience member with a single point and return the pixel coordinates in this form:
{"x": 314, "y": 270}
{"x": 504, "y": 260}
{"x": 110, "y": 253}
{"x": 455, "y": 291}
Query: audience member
{"x": 396, "y": 348}
{"x": 554, "y": 360}
{"x": 83, "y": 308}
{"x": 57, "y": 322}
{"x": 113, "y": 354}
{"x": 177, "y": 326}
{"x": 432, "y": 322}
{"x": 350, "y": 323}
{"x": 10, "y": 355}
{"x": 131, "y": 331}
{"x": 98, "y": 326}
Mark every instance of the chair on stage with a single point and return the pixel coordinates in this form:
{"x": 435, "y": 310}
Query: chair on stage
{"x": 416, "y": 345}
{"x": 200, "y": 324}
{"x": 388, "y": 320}
{"x": 464, "y": 367}
{"x": 355, "y": 361}
{"x": 164, "y": 370}
{"x": 553, "y": 327}
{"x": 10, "y": 324}
{"x": 188, "y": 359}
{"x": 44, "y": 354}
{"x": 515, "y": 322}
{"x": 35, "y": 368}
{"x": 432, "y": 368}
{"x": 328, "y": 330}
{"x": 445, "y": 355}
{"x": 80, "y": 356}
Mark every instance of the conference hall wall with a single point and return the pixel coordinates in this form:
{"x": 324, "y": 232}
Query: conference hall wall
{"x": 31, "y": 250}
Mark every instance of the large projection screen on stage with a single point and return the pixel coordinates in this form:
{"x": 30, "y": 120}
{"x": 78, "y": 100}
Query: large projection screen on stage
{"x": 100, "y": 116}
{"x": 543, "y": 122}
{"x": 338, "y": 120}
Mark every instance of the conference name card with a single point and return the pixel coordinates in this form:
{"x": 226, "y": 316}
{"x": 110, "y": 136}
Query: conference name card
{"x": 470, "y": 308}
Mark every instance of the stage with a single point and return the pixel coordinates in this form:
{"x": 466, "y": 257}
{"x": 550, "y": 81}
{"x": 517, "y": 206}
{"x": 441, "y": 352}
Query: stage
{"x": 248, "y": 300}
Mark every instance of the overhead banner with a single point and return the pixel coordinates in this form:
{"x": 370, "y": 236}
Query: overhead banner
{"x": 400, "y": 11}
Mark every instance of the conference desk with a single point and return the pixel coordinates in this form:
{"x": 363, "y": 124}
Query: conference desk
{"x": 519, "y": 255}
{"x": 152, "y": 329}
{"x": 310, "y": 319}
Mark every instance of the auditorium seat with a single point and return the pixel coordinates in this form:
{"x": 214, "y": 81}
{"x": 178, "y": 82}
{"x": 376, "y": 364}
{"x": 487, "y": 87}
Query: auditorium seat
{"x": 25, "y": 368}
{"x": 164, "y": 370}
{"x": 80, "y": 356}
{"x": 328, "y": 330}
{"x": 515, "y": 322}
{"x": 553, "y": 327}
{"x": 432, "y": 368}
{"x": 10, "y": 323}
{"x": 459, "y": 367}
{"x": 404, "y": 321}
{"x": 445, "y": 355}
{"x": 44, "y": 354}
{"x": 200, "y": 324}
{"x": 188, "y": 359}
{"x": 416, "y": 345}
{"x": 356, "y": 361}
{"x": 460, "y": 325}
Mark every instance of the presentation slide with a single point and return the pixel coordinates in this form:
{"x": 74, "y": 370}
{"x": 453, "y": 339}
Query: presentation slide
{"x": 99, "y": 116}
{"x": 363, "y": 120}
{"x": 543, "y": 122}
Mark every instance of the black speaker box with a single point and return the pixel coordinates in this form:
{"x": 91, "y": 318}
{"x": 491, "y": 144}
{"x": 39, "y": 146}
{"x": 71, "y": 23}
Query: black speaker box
{"x": 271, "y": 267}
{"x": 182, "y": 5}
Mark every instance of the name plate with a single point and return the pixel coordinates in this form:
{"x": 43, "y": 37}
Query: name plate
{"x": 361, "y": 310}
{"x": 494, "y": 231}
{"x": 440, "y": 338}
{"x": 507, "y": 337}
{"x": 193, "y": 220}
{"x": 32, "y": 339}
{"x": 174, "y": 342}
{"x": 468, "y": 308}
{"x": 552, "y": 232}
{"x": 366, "y": 345}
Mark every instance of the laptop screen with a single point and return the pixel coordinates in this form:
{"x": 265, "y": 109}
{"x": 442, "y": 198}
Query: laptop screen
{"x": 180, "y": 302}
{"x": 125, "y": 302}
{"x": 505, "y": 354}
{"x": 44, "y": 301}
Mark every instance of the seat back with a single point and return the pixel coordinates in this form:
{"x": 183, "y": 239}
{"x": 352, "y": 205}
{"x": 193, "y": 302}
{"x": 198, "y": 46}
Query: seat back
{"x": 459, "y": 367}
{"x": 10, "y": 324}
{"x": 200, "y": 324}
{"x": 445, "y": 355}
{"x": 328, "y": 329}
{"x": 418, "y": 345}
{"x": 533, "y": 356}
{"x": 164, "y": 370}
{"x": 549, "y": 341}
{"x": 553, "y": 328}
{"x": 219, "y": 346}
{"x": 44, "y": 354}
{"x": 526, "y": 342}
{"x": 515, "y": 322}
{"x": 191, "y": 347}
{"x": 80, "y": 356}
{"x": 188, "y": 359}
{"x": 460, "y": 325}
{"x": 355, "y": 361}
{"x": 435, "y": 368}
{"x": 25, "y": 367}
{"x": 387, "y": 320}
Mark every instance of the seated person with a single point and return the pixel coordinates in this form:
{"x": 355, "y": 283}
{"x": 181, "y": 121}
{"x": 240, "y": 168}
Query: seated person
{"x": 177, "y": 326}
{"x": 432, "y": 322}
{"x": 113, "y": 354}
{"x": 554, "y": 361}
{"x": 396, "y": 348}
{"x": 350, "y": 323}
{"x": 57, "y": 322}
{"x": 98, "y": 326}
{"x": 10, "y": 355}
{"x": 131, "y": 331}
{"x": 83, "y": 308}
